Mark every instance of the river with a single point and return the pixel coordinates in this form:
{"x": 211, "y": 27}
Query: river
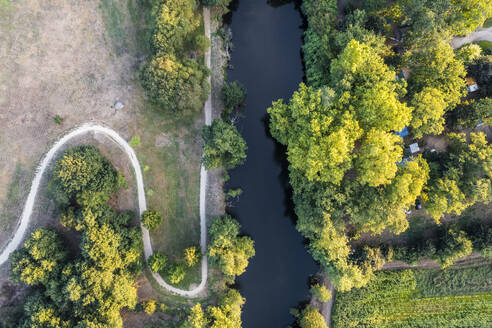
{"x": 266, "y": 59}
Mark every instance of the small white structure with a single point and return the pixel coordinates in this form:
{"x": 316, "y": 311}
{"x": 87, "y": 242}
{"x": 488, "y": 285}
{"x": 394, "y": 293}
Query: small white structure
{"x": 118, "y": 105}
{"x": 473, "y": 87}
{"x": 414, "y": 148}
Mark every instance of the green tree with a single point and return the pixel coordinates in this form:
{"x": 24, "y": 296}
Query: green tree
{"x": 369, "y": 88}
{"x": 176, "y": 273}
{"x": 192, "y": 256}
{"x": 428, "y": 115}
{"x": 456, "y": 246}
{"x": 376, "y": 160}
{"x": 151, "y": 219}
{"x": 228, "y": 312}
{"x": 157, "y": 262}
{"x": 224, "y": 146}
{"x": 470, "y": 113}
{"x": 40, "y": 259}
{"x": 233, "y": 95}
{"x": 319, "y": 144}
{"x": 196, "y": 318}
{"x": 433, "y": 64}
{"x": 469, "y": 53}
{"x": 311, "y": 318}
{"x": 149, "y": 306}
{"x": 231, "y": 252}
{"x": 320, "y": 291}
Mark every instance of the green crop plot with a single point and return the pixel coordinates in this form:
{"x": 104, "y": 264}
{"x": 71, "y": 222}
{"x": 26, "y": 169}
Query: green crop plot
{"x": 419, "y": 298}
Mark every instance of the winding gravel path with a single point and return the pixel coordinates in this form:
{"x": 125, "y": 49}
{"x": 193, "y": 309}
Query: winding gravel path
{"x": 142, "y": 203}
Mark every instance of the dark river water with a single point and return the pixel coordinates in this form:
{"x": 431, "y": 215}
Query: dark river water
{"x": 266, "y": 59}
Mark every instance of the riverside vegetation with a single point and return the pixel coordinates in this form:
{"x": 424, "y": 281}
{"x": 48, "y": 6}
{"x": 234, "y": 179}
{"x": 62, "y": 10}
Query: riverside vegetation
{"x": 351, "y": 173}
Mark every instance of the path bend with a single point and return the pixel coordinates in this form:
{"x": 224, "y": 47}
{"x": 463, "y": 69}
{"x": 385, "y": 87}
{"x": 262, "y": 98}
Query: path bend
{"x": 142, "y": 203}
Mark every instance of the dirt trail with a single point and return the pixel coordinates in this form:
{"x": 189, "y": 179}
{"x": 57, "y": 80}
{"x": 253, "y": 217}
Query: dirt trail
{"x": 481, "y": 34}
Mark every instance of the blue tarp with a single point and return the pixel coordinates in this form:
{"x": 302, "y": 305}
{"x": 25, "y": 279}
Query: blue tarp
{"x": 403, "y": 133}
{"x": 403, "y": 162}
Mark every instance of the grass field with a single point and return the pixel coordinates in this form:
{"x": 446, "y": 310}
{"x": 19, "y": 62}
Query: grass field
{"x": 419, "y": 298}
{"x": 485, "y": 44}
{"x": 169, "y": 149}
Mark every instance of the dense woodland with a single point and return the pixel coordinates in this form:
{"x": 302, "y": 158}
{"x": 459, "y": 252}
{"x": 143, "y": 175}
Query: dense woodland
{"x": 371, "y": 72}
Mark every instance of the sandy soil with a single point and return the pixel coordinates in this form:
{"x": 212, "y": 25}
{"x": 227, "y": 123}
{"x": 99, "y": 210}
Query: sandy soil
{"x": 55, "y": 59}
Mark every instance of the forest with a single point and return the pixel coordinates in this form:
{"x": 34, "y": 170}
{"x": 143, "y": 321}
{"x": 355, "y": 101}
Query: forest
{"x": 380, "y": 78}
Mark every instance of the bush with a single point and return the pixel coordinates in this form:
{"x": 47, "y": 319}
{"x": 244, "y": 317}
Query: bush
{"x": 233, "y": 95}
{"x": 192, "y": 255}
{"x": 134, "y": 141}
{"x": 176, "y": 273}
{"x": 224, "y": 146}
{"x": 321, "y": 292}
{"x": 149, "y": 307}
{"x": 157, "y": 262}
{"x": 311, "y": 318}
{"x": 151, "y": 219}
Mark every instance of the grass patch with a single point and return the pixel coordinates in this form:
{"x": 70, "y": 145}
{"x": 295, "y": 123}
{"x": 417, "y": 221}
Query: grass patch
{"x": 419, "y": 298}
{"x": 484, "y": 45}
{"x": 171, "y": 155}
{"x": 15, "y": 193}
{"x": 114, "y": 18}
{"x": 487, "y": 23}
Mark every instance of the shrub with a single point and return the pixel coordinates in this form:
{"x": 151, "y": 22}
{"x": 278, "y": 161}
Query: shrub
{"x": 321, "y": 292}
{"x": 224, "y": 146}
{"x": 151, "y": 219}
{"x": 311, "y": 318}
{"x": 176, "y": 273}
{"x": 134, "y": 141}
{"x": 58, "y": 120}
{"x": 192, "y": 255}
{"x": 157, "y": 261}
{"x": 233, "y": 95}
{"x": 149, "y": 306}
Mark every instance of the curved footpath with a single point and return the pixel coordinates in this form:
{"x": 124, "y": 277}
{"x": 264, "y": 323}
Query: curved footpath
{"x": 142, "y": 203}
{"x": 481, "y": 34}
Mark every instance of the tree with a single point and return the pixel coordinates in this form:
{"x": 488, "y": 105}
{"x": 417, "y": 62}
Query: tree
{"x": 433, "y": 64}
{"x": 224, "y": 146}
{"x": 320, "y": 291}
{"x": 149, "y": 306}
{"x": 157, "y": 262}
{"x": 311, "y": 318}
{"x": 176, "y": 273}
{"x": 83, "y": 168}
{"x": 471, "y": 113}
{"x": 319, "y": 143}
{"x": 151, "y": 219}
{"x": 376, "y": 161}
{"x": 192, "y": 255}
{"x": 178, "y": 85}
{"x": 217, "y": 3}
{"x": 40, "y": 259}
{"x": 229, "y": 250}
{"x": 233, "y": 95}
{"x": 369, "y": 88}
{"x": 196, "y": 318}
{"x": 428, "y": 115}
{"x": 456, "y": 246}
{"x": 469, "y": 53}
{"x": 228, "y": 312}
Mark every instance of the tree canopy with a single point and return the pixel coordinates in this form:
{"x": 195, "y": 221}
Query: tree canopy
{"x": 224, "y": 146}
{"x": 230, "y": 251}
{"x": 90, "y": 288}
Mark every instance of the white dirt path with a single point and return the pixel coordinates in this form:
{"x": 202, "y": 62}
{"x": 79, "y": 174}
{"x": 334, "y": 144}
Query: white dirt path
{"x": 481, "y": 34}
{"x": 142, "y": 203}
